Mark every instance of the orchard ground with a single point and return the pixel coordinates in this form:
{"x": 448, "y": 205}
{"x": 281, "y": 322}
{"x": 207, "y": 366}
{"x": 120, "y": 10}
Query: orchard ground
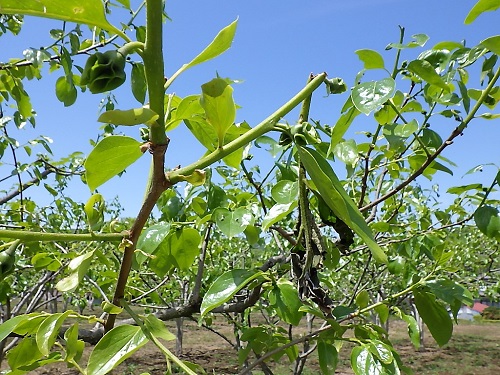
{"x": 473, "y": 350}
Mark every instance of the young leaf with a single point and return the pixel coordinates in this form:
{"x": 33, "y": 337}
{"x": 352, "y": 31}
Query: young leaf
{"x": 219, "y": 45}
{"x": 129, "y": 117}
{"x": 371, "y": 59}
{"x": 94, "y": 210}
{"x": 225, "y": 287}
{"x": 434, "y": 315}
{"x": 109, "y": 157}
{"x": 331, "y": 190}
{"x": 74, "y": 347}
{"x": 276, "y": 213}
{"x": 79, "y": 266}
{"x": 115, "y": 347}
{"x": 150, "y": 239}
{"x": 157, "y": 328}
{"x": 65, "y": 91}
{"x": 369, "y": 96}
{"x": 88, "y": 12}
{"x": 217, "y": 101}
{"x": 10, "y": 325}
{"x": 481, "y": 7}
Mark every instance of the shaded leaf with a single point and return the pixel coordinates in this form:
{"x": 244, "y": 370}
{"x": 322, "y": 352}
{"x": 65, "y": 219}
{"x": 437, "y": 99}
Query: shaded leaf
{"x": 434, "y": 315}
{"x": 426, "y": 71}
{"x": 284, "y": 297}
{"x": 328, "y": 357}
{"x": 488, "y": 221}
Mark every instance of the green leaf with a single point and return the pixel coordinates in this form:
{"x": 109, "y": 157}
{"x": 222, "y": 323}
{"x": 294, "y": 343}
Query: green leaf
{"x": 276, "y": 213}
{"x": 219, "y": 45}
{"x": 129, "y": 117}
{"x": 157, "y": 328}
{"x": 74, "y": 347}
{"x": 328, "y": 357}
{"x": 7, "y": 327}
{"x": 413, "y": 330}
{"x": 150, "y": 239}
{"x": 337, "y": 199}
{"x": 383, "y": 313}
{"x": 138, "y": 82}
{"x": 88, "y": 12}
{"x": 79, "y": 267}
{"x": 65, "y": 91}
{"x": 371, "y": 59}
{"x": 434, "y": 315}
{"x": 492, "y": 43}
{"x": 488, "y": 221}
{"x": 110, "y": 157}
{"x": 364, "y": 363}
{"x": 220, "y": 110}
{"x": 94, "y": 210}
{"x": 109, "y": 308}
{"x": 284, "y": 298}
{"x": 225, "y": 287}
{"x": 426, "y": 71}
{"x": 419, "y": 41}
{"x": 232, "y": 223}
{"x": 116, "y": 346}
{"x": 481, "y": 7}
{"x": 362, "y": 299}
{"x": 23, "y": 354}
{"x": 369, "y": 96}
{"x": 341, "y": 126}
{"x": 347, "y": 152}
{"x": 48, "y": 331}
{"x": 178, "y": 250}
{"x": 285, "y": 191}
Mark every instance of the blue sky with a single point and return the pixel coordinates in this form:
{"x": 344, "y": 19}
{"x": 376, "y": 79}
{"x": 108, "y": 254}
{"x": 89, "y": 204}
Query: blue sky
{"x": 277, "y": 45}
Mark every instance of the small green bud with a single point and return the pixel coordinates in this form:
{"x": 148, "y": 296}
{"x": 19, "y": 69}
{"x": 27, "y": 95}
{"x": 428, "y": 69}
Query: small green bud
{"x": 104, "y": 71}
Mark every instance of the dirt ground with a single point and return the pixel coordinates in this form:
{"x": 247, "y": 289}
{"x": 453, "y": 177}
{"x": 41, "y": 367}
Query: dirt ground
{"x": 473, "y": 349}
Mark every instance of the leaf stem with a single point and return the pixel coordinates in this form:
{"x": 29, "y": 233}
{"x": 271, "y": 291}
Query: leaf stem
{"x": 263, "y": 127}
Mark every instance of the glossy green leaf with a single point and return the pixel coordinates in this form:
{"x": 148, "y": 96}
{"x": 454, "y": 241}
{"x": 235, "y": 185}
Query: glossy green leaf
{"x": 47, "y": 332}
{"x": 65, "y": 91}
{"x": 187, "y": 108}
{"x": 371, "y": 59}
{"x": 158, "y": 328}
{"x": 426, "y": 71}
{"x": 232, "y": 223}
{"x": 347, "y": 152}
{"x": 138, "y": 82}
{"x": 277, "y": 212}
{"x": 383, "y": 313}
{"x": 337, "y": 199}
{"x": 150, "y": 239}
{"x": 364, "y": 363}
{"x": 225, "y": 287}
{"x": 487, "y": 220}
{"x": 220, "y": 110}
{"x": 328, "y": 357}
{"x": 492, "y": 43}
{"x": 115, "y": 347}
{"x": 178, "y": 250}
{"x": 382, "y": 351}
{"x": 110, "y": 157}
{"x": 129, "y": 117}
{"x": 88, "y": 12}
{"x": 368, "y": 96}
{"x": 413, "y": 330}
{"x": 434, "y": 315}
{"x": 480, "y": 7}
{"x": 285, "y": 191}
{"x": 284, "y": 298}
{"x": 109, "y": 308}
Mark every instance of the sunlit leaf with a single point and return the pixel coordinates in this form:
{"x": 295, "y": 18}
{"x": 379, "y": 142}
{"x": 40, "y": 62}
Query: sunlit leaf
{"x": 277, "y": 212}
{"x": 129, "y": 117}
{"x": 115, "y": 347}
{"x": 369, "y": 96}
{"x": 371, "y": 59}
{"x": 225, "y": 287}
{"x": 427, "y": 72}
{"x": 480, "y": 7}
{"x": 109, "y": 157}
{"x": 232, "y": 223}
